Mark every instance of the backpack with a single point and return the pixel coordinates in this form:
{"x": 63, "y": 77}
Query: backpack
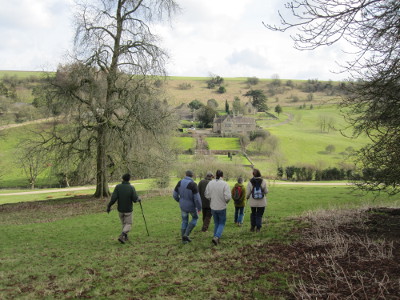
{"x": 237, "y": 194}
{"x": 257, "y": 192}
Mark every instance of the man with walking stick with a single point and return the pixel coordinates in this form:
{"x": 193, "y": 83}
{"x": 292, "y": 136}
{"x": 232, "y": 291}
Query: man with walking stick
{"x": 126, "y": 195}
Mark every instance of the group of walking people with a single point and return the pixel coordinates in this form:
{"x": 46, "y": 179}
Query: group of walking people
{"x": 211, "y": 197}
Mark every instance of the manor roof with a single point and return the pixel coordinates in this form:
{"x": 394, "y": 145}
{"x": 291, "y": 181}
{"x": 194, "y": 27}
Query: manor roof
{"x": 234, "y": 119}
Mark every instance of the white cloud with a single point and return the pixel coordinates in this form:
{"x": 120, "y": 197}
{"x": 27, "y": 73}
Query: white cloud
{"x": 224, "y": 37}
{"x": 248, "y": 58}
{"x": 35, "y": 34}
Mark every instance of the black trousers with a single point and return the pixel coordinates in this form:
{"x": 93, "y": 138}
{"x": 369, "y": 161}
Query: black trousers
{"x": 206, "y": 218}
{"x": 256, "y": 216}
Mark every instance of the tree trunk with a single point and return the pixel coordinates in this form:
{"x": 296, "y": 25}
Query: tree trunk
{"x": 102, "y": 189}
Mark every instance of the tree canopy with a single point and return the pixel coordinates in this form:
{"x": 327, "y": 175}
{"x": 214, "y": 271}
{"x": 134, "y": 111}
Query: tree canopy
{"x": 372, "y": 106}
{"x": 259, "y": 99}
{"x": 206, "y": 116}
{"x": 111, "y": 112}
{"x": 195, "y": 105}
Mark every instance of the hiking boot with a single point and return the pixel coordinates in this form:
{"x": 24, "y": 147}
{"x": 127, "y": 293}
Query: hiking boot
{"x": 258, "y": 229}
{"x": 215, "y": 240}
{"x": 252, "y": 228}
{"x": 186, "y": 239}
{"x": 122, "y": 238}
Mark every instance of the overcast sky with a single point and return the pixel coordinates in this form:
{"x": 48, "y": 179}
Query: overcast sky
{"x": 222, "y": 37}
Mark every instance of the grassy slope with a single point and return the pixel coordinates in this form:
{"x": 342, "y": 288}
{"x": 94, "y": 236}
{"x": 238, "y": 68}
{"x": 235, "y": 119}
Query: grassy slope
{"x": 47, "y": 252}
{"x": 235, "y": 87}
{"x": 8, "y": 147}
{"x": 302, "y": 142}
{"x": 13, "y": 174}
{"x": 20, "y": 74}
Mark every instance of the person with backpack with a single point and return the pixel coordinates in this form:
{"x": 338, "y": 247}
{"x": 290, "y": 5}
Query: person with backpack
{"x": 205, "y": 203}
{"x": 256, "y": 192}
{"x": 219, "y": 193}
{"x": 126, "y": 195}
{"x": 239, "y": 198}
{"x": 187, "y": 194}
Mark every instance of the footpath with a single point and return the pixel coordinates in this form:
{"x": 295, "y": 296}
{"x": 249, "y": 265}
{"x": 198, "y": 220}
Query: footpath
{"x": 270, "y": 183}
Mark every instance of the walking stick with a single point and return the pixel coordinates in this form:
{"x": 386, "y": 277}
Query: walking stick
{"x": 145, "y": 224}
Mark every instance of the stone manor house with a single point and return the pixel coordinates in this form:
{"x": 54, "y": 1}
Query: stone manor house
{"x": 230, "y": 124}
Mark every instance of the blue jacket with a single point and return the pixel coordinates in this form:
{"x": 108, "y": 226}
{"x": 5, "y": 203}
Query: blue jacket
{"x": 187, "y": 194}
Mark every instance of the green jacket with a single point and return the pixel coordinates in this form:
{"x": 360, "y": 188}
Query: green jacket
{"x": 242, "y": 201}
{"x": 125, "y": 194}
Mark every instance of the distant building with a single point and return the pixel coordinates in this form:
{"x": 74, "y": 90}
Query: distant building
{"x": 184, "y": 112}
{"x": 226, "y": 125}
{"x": 249, "y": 109}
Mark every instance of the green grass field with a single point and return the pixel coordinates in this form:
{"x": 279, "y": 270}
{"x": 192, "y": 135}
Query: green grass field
{"x": 184, "y": 143}
{"x": 21, "y": 74}
{"x": 302, "y": 142}
{"x": 67, "y": 248}
{"x": 11, "y": 169}
{"x": 215, "y": 143}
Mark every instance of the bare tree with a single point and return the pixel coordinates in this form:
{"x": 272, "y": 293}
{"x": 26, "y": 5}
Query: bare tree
{"x": 112, "y": 114}
{"x": 32, "y": 160}
{"x": 372, "y": 106}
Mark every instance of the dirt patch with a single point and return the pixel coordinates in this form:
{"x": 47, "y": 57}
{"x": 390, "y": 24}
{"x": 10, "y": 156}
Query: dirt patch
{"x": 50, "y": 210}
{"x": 354, "y": 255}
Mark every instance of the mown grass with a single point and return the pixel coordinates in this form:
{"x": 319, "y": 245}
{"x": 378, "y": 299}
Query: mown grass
{"x": 236, "y": 159}
{"x": 184, "y": 143}
{"x": 215, "y": 143}
{"x": 67, "y": 248}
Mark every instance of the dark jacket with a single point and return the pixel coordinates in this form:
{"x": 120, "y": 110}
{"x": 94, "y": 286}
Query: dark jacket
{"x": 187, "y": 194}
{"x": 202, "y": 188}
{"x": 125, "y": 194}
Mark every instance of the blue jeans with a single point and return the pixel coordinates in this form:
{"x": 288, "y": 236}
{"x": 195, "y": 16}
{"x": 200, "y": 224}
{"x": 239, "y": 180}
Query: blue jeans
{"x": 219, "y": 217}
{"x": 185, "y": 219}
{"x": 239, "y": 214}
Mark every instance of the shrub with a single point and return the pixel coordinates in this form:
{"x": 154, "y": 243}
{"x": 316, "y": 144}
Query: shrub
{"x": 221, "y": 90}
{"x": 330, "y": 148}
{"x": 259, "y": 133}
{"x": 158, "y": 83}
{"x": 280, "y": 172}
{"x": 304, "y": 173}
{"x": 214, "y": 81}
{"x": 185, "y": 86}
{"x": 290, "y": 172}
{"x": 252, "y": 80}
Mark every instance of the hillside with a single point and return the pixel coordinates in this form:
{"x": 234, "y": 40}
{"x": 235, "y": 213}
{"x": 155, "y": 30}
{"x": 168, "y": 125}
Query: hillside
{"x": 297, "y": 137}
{"x": 17, "y": 87}
{"x": 284, "y": 92}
